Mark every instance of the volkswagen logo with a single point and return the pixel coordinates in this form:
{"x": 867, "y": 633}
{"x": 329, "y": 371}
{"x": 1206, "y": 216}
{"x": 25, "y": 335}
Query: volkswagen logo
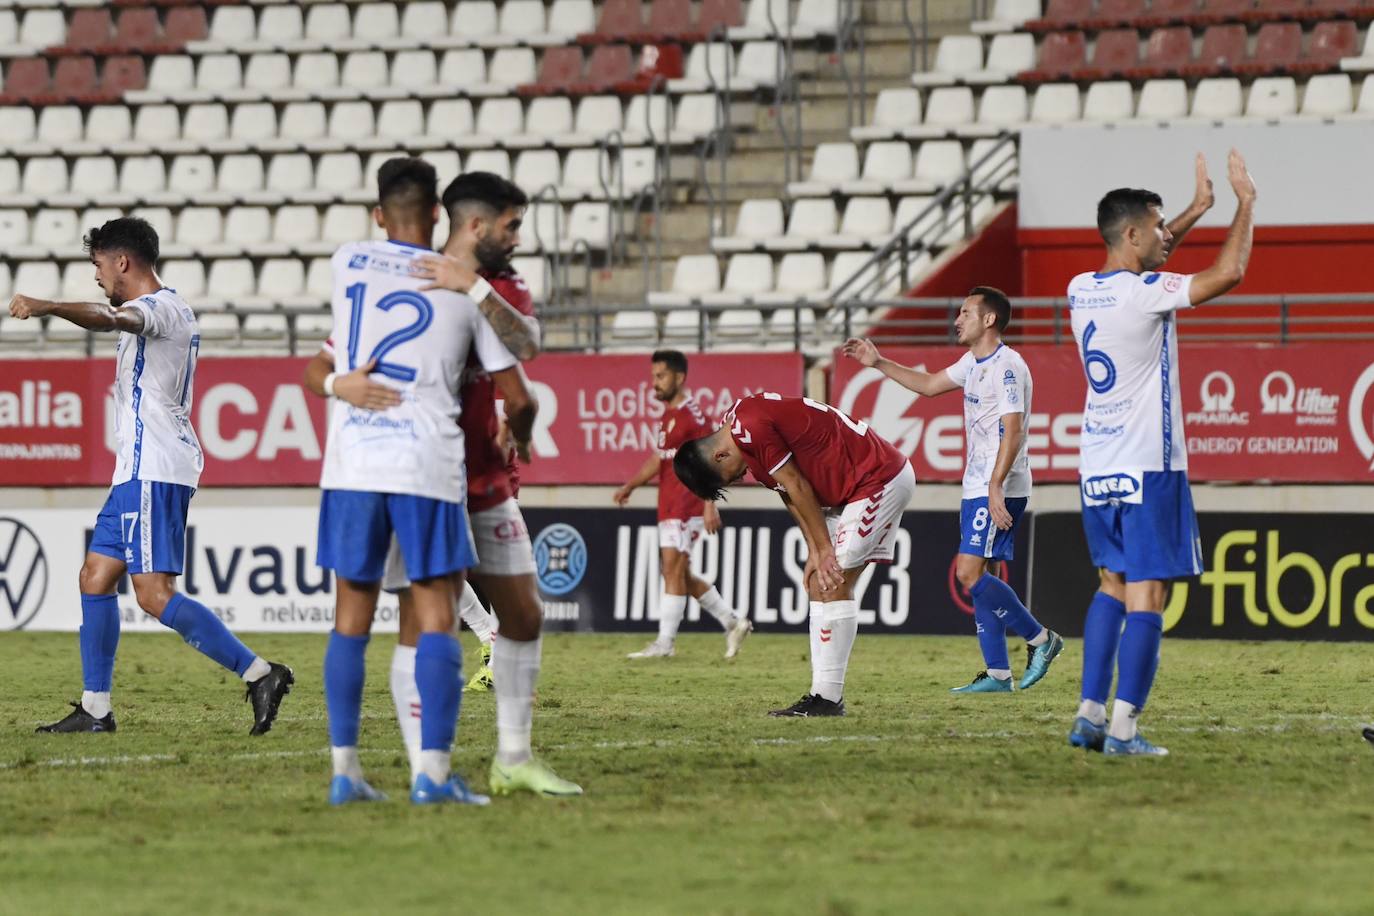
{"x": 23, "y": 574}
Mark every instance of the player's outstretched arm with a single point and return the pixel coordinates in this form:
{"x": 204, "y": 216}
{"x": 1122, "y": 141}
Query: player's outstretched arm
{"x": 1229, "y": 269}
{"x": 647, "y": 472}
{"x": 520, "y": 333}
{"x": 1202, "y": 201}
{"x": 93, "y": 316}
{"x": 806, "y": 508}
{"x": 355, "y": 387}
{"x": 521, "y": 407}
{"x": 925, "y": 383}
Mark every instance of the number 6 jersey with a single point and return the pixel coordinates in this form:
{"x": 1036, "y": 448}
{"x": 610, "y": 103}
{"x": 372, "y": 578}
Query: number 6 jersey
{"x": 421, "y": 343}
{"x": 1124, "y": 325}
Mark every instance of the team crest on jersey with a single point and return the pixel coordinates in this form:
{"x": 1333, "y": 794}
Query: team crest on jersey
{"x": 1172, "y": 282}
{"x": 357, "y": 262}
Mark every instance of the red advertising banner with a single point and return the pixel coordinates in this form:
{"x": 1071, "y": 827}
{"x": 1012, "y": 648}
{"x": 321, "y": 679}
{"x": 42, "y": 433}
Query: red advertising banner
{"x": 260, "y": 427}
{"x": 1297, "y": 413}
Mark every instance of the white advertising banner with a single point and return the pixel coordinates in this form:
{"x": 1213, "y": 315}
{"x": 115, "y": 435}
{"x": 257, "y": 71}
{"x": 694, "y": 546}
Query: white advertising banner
{"x": 254, "y": 567}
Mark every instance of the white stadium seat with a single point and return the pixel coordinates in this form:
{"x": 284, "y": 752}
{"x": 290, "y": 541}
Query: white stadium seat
{"x": 947, "y": 108}
{"x": 424, "y": 19}
{"x": 295, "y": 225}
{"x": 281, "y": 279}
{"x": 247, "y": 227}
{"x": 57, "y": 230}
{"x": 231, "y": 279}
{"x": 21, "y": 124}
{"x": 199, "y": 226}
{"x": 328, "y": 23}
{"x": 345, "y": 223}
{"x": 316, "y": 71}
{"x": 1272, "y": 97}
{"x": 78, "y": 282}
{"x": 14, "y": 228}
{"x": 569, "y": 18}
{"x": 143, "y": 175}
{"x": 535, "y": 169}
{"x": 351, "y": 121}
{"x": 41, "y": 280}
{"x": 475, "y": 20}
{"x": 449, "y": 119}
{"x": 511, "y": 67}
{"x": 239, "y": 173}
{"x": 45, "y": 175}
{"x": 1108, "y": 101}
{"x": 885, "y": 164}
{"x": 758, "y": 222}
{"x": 1219, "y": 97}
{"x": 365, "y": 70}
{"x": 401, "y": 119}
{"x": 43, "y": 28}
{"x": 760, "y": 64}
{"x": 1328, "y": 95}
{"x": 233, "y": 25}
{"x": 254, "y": 123}
{"x": 291, "y": 173}
{"x": 811, "y": 220}
{"x": 463, "y": 68}
{"x": 591, "y": 223}
{"x": 339, "y": 172}
{"x": 521, "y": 19}
{"x": 59, "y": 125}
{"x": 938, "y": 162}
{"x": 219, "y": 73}
{"x": 694, "y": 276}
{"x": 1008, "y": 55}
{"x": 414, "y": 70}
{"x": 1056, "y": 103}
{"x": 186, "y": 276}
{"x": 496, "y": 161}
{"x": 191, "y": 175}
{"x": 832, "y": 165}
{"x": 1163, "y": 100}
{"x": 894, "y": 110}
{"x": 266, "y": 73}
{"x": 373, "y": 22}
{"x": 1003, "y": 107}
{"x": 205, "y": 122}
{"x": 956, "y": 57}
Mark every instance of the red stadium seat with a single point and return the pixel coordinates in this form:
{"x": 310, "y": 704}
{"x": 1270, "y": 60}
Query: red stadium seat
{"x": 123, "y": 74}
{"x": 1114, "y": 13}
{"x": 1329, "y": 43}
{"x": 1061, "y": 53}
{"x": 668, "y": 20}
{"x": 1168, "y": 12}
{"x": 1276, "y": 49}
{"x": 1277, "y": 10}
{"x": 1060, "y": 14}
{"x": 27, "y": 78}
{"x": 657, "y": 64}
{"x": 185, "y": 23}
{"x": 74, "y": 78}
{"x": 1168, "y": 51}
{"x": 1116, "y": 53}
{"x": 1224, "y": 10}
{"x": 1223, "y": 49}
{"x": 87, "y": 30}
{"x": 560, "y": 69}
{"x": 138, "y": 28}
{"x": 619, "y": 20}
{"x": 608, "y": 67}
{"x": 718, "y": 14}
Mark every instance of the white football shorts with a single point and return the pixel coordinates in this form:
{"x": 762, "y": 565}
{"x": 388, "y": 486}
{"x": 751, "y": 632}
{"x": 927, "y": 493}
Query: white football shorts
{"x": 864, "y": 531}
{"x": 680, "y": 533}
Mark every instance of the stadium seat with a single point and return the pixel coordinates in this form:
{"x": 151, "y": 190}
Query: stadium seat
{"x": 463, "y": 68}
{"x": 254, "y": 123}
{"x": 1008, "y": 15}
{"x": 1055, "y": 103}
{"x": 620, "y": 20}
{"x": 303, "y": 121}
{"x": 717, "y": 16}
{"x": 521, "y": 21}
{"x": 1330, "y": 42}
{"x": 607, "y": 67}
{"x": 1113, "y": 13}
{"x": 281, "y": 280}
{"x": 1008, "y": 55}
{"x": 650, "y": 118}
{"x": 746, "y": 276}
{"x": 757, "y": 223}
{"x": 9, "y": 176}
{"x": 74, "y": 78}
{"x": 59, "y": 125}
{"x": 414, "y": 70}
{"x": 146, "y": 176}
{"x": 94, "y": 176}
{"x": 45, "y": 175}
{"x": 476, "y": 21}
{"x": 266, "y": 73}
{"x": 957, "y": 57}
{"x": 590, "y": 222}
{"x": 948, "y": 109}
{"x": 42, "y": 28}
{"x": 669, "y": 20}
{"x": 1365, "y": 106}
{"x": 495, "y": 161}
{"x": 597, "y": 117}
{"x": 107, "y": 125}
{"x": 1216, "y": 98}
{"x": 800, "y": 276}
{"x": 831, "y": 165}
{"x": 867, "y": 223}
{"x": 545, "y": 119}
{"x": 811, "y": 220}
{"x": 739, "y": 327}
{"x": 1168, "y": 51}
{"x": 233, "y": 26}
{"x": 293, "y": 226}
{"x": 1116, "y": 53}
{"x": 1365, "y": 61}
{"x": 570, "y": 18}
{"x": 41, "y": 280}
{"x": 351, "y": 123}
{"x": 344, "y": 223}
{"x": 197, "y": 227}
{"x": 537, "y": 169}
{"x": 1061, "y": 53}
{"x": 186, "y": 276}
{"x": 1328, "y": 95}
{"x": 1277, "y": 49}
{"x": 27, "y": 79}
{"x": 318, "y": 71}
{"x": 160, "y": 218}
{"x": 894, "y": 109}
{"x": 57, "y": 231}
{"x": 885, "y": 164}
{"x": 694, "y": 276}
{"x": 14, "y": 228}
{"x": 1163, "y": 13}
{"x": 184, "y": 25}
{"x": 992, "y": 164}
{"x": 21, "y": 125}
{"x": 1108, "y": 102}
{"x": 1059, "y": 13}
{"x": 375, "y": 22}
{"x": 339, "y": 173}
{"x": 708, "y": 66}
{"x": 545, "y": 228}
{"x": 205, "y": 122}
{"x": 364, "y": 70}
{"x": 938, "y": 162}
{"x": 219, "y": 73}
{"x": 1272, "y": 97}
{"x": 400, "y": 120}
{"x": 231, "y": 280}
{"x": 422, "y": 20}
{"x": 559, "y": 71}
{"x": 89, "y": 29}
{"x": 498, "y": 119}
{"x": 319, "y": 281}
{"x": 1003, "y": 107}
{"x": 1163, "y": 100}
{"x": 816, "y": 18}
{"x": 328, "y": 23}
{"x": 697, "y": 116}
{"x": 449, "y": 119}
{"x": 535, "y": 272}
{"x": 761, "y": 65}
{"x": 139, "y": 29}
{"x": 78, "y": 282}
{"x": 764, "y": 19}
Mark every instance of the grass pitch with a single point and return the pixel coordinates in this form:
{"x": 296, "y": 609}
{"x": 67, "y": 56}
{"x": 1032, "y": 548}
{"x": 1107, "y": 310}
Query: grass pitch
{"x": 918, "y": 802}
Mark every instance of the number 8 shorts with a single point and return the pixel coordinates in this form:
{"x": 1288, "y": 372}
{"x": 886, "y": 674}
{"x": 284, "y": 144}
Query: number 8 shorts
{"x": 978, "y": 535}
{"x": 864, "y": 531}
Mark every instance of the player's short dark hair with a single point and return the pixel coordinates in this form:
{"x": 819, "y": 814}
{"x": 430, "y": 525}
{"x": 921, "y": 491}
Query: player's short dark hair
{"x": 493, "y": 192}
{"x": 407, "y": 182}
{"x": 693, "y": 466}
{"x": 1121, "y": 206}
{"x": 129, "y": 234}
{"x": 996, "y": 301}
{"x": 675, "y": 360}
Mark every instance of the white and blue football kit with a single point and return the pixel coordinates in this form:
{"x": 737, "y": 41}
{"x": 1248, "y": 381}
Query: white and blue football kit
{"x": 1137, "y": 510}
{"x": 399, "y": 470}
{"x": 994, "y": 386}
{"x": 158, "y": 460}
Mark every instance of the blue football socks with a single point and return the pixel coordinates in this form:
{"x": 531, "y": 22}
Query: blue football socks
{"x": 1101, "y": 633}
{"x": 99, "y": 638}
{"x": 1138, "y": 657}
{"x": 992, "y": 638}
{"x": 439, "y": 679}
{"x": 345, "y": 662}
{"x": 206, "y": 633}
{"x": 997, "y": 596}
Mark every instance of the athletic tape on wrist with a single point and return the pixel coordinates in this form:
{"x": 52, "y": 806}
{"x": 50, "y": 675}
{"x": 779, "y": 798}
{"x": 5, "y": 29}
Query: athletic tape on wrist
{"x": 480, "y": 290}
{"x": 329, "y": 383}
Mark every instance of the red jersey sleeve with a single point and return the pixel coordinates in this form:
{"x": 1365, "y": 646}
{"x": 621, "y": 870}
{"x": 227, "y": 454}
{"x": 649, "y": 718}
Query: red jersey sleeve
{"x": 755, "y": 431}
{"x": 511, "y": 287}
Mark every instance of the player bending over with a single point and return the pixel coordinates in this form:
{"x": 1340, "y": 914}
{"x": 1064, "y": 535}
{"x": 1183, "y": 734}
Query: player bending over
{"x": 682, "y": 515}
{"x": 845, "y": 486}
{"x": 997, "y": 479}
{"x": 1137, "y": 510}
{"x": 142, "y": 528}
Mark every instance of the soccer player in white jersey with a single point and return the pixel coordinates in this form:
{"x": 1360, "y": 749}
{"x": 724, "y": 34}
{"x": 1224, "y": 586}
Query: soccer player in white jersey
{"x": 142, "y": 528}
{"x": 997, "y": 480}
{"x": 400, "y": 471}
{"x": 1137, "y": 511}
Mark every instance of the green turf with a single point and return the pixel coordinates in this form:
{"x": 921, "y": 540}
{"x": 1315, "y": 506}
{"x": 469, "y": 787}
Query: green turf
{"x": 918, "y": 802}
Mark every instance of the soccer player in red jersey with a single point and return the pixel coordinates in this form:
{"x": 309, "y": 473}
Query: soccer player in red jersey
{"x": 682, "y": 515}
{"x": 846, "y": 487}
{"x": 485, "y": 213}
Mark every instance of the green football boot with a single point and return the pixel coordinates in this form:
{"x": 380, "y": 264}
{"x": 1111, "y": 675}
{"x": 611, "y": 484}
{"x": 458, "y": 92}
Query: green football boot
{"x": 482, "y": 680}
{"x": 531, "y": 776}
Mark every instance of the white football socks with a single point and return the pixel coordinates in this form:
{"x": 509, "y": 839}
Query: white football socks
{"x": 1093, "y": 711}
{"x": 406, "y": 698}
{"x": 97, "y": 703}
{"x": 346, "y": 763}
{"x": 834, "y": 624}
{"x": 258, "y": 669}
{"x": 469, "y": 609}
{"x": 515, "y": 668}
{"x": 436, "y": 765}
{"x": 671, "y": 609}
{"x": 712, "y": 603}
{"x": 1123, "y": 720}
{"x": 1001, "y": 674}
{"x": 1040, "y": 638}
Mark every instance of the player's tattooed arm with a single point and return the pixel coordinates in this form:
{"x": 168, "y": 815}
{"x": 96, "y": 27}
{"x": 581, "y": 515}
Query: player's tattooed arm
{"x": 521, "y": 408}
{"x": 93, "y": 316}
{"x": 520, "y": 333}
{"x": 1202, "y": 201}
{"x": 647, "y": 472}
{"x": 1013, "y": 433}
{"x": 355, "y": 387}
{"x": 926, "y": 383}
{"x": 806, "y": 508}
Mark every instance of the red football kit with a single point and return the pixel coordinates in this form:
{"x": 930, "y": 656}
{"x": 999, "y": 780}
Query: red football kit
{"x": 678, "y": 426}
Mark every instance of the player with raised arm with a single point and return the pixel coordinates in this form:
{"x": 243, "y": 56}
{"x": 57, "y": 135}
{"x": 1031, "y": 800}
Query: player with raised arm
{"x": 485, "y": 212}
{"x": 1137, "y": 511}
{"x": 997, "y": 480}
{"x": 682, "y": 515}
{"x": 845, "y": 486}
{"x": 142, "y": 527}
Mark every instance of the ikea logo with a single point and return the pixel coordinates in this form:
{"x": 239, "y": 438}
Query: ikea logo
{"x": 1111, "y": 486}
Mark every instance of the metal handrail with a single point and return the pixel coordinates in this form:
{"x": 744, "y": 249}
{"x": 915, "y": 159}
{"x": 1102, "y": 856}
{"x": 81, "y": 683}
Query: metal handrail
{"x": 615, "y": 228}
{"x": 549, "y": 194}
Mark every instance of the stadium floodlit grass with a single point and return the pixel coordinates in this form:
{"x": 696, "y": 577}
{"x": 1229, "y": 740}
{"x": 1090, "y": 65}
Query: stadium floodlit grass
{"x": 917, "y": 802}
